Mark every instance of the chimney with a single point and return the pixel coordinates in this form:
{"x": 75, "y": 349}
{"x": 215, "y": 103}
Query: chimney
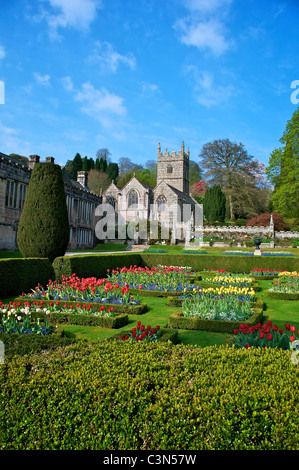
{"x": 33, "y": 159}
{"x": 50, "y": 159}
{"x": 82, "y": 178}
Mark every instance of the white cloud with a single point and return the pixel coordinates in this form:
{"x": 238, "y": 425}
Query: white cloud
{"x": 204, "y": 25}
{"x": 67, "y": 83}
{"x": 205, "y": 35}
{"x": 109, "y": 59}
{"x": 209, "y": 93}
{"x": 77, "y": 14}
{"x": 205, "y": 6}
{"x": 100, "y": 104}
{"x": 2, "y": 52}
{"x": 42, "y": 79}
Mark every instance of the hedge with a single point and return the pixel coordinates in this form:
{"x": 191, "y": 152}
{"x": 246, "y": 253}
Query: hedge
{"x": 23, "y": 274}
{"x": 282, "y": 295}
{"x": 97, "y": 265}
{"x": 178, "y": 321}
{"x": 155, "y": 396}
{"x": 16, "y": 344}
{"x": 94, "y": 265}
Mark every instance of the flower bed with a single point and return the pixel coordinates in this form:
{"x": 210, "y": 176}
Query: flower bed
{"x": 178, "y": 321}
{"x": 20, "y": 320}
{"x": 264, "y": 336}
{"x": 228, "y": 309}
{"x": 157, "y": 281}
{"x": 265, "y": 273}
{"x": 89, "y": 290}
{"x": 230, "y": 280}
{"x": 286, "y": 287}
{"x": 67, "y": 313}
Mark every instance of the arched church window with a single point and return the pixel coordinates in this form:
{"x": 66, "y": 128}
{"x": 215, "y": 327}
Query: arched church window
{"x": 133, "y": 199}
{"x": 161, "y": 203}
{"x": 169, "y": 169}
{"x": 110, "y": 200}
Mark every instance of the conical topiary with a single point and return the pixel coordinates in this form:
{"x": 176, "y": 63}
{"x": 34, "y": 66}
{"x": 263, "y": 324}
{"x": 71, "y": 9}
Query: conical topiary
{"x": 43, "y": 230}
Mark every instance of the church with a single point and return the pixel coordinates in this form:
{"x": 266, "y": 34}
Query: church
{"x": 169, "y": 203}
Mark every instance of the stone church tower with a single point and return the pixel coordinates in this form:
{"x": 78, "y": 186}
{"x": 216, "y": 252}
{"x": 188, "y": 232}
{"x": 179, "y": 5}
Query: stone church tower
{"x": 173, "y": 168}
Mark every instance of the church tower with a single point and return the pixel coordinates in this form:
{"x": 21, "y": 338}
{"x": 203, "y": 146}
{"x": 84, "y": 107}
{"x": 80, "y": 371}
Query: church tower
{"x": 173, "y": 168}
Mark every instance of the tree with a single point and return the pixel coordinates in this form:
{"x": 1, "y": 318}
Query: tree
{"x": 103, "y": 153}
{"x": 43, "y": 230}
{"x": 226, "y": 163}
{"x": 214, "y": 204}
{"x": 263, "y": 220}
{"x": 198, "y": 190}
{"x": 195, "y": 173}
{"x": 112, "y": 171}
{"x": 98, "y": 181}
{"x": 283, "y": 171}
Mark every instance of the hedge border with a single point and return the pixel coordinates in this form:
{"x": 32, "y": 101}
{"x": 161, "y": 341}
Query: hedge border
{"x": 177, "y": 321}
{"x": 282, "y": 295}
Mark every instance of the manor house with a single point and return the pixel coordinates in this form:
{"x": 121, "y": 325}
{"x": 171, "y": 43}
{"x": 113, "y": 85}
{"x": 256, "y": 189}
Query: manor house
{"x": 81, "y": 203}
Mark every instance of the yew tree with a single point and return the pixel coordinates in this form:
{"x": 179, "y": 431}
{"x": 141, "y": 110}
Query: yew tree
{"x": 43, "y": 230}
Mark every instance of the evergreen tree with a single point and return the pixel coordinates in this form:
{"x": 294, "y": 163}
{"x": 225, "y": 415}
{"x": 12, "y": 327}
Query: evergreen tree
{"x": 76, "y": 166}
{"x": 85, "y": 164}
{"x": 214, "y": 204}
{"x": 112, "y": 171}
{"x": 43, "y": 230}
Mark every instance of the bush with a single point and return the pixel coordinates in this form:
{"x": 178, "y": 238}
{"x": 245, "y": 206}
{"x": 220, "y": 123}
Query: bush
{"x": 43, "y": 230}
{"x": 23, "y": 274}
{"x": 263, "y": 220}
{"x": 154, "y": 396}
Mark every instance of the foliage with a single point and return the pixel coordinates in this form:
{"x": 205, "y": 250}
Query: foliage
{"x": 154, "y": 396}
{"x": 214, "y": 204}
{"x": 98, "y": 181}
{"x": 263, "y": 220}
{"x": 22, "y": 274}
{"x": 283, "y": 170}
{"x": 229, "y": 165}
{"x": 43, "y": 230}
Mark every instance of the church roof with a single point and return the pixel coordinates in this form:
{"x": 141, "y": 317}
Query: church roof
{"x": 180, "y": 194}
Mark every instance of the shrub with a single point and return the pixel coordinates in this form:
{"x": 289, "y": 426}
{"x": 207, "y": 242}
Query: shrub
{"x": 23, "y": 274}
{"x": 263, "y": 220}
{"x": 43, "y": 230}
{"x": 156, "y": 396}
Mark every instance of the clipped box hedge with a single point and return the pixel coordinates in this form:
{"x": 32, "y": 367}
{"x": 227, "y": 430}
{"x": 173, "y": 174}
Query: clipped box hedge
{"x": 282, "y": 295}
{"x": 114, "y": 395}
{"x": 178, "y": 321}
{"x": 97, "y": 265}
{"x": 23, "y": 274}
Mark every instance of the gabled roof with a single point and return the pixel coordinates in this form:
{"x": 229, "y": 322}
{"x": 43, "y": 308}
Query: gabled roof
{"x": 146, "y": 186}
{"x": 183, "y": 196}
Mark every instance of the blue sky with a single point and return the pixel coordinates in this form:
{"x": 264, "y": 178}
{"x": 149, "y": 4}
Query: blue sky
{"x": 80, "y": 75}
